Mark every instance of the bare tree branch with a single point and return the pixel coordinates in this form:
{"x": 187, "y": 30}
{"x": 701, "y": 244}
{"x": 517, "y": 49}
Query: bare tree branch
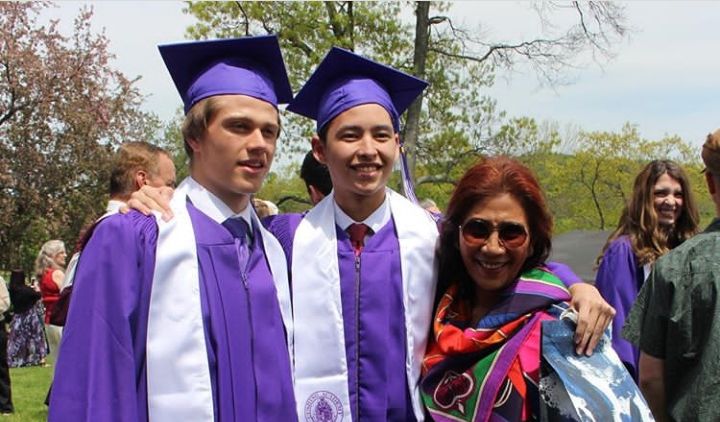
{"x": 294, "y": 198}
{"x": 247, "y": 20}
{"x": 436, "y": 179}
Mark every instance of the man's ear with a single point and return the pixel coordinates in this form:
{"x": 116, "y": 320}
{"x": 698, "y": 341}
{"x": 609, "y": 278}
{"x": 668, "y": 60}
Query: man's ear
{"x": 710, "y": 180}
{"x": 315, "y": 194}
{"x": 318, "y": 148}
{"x": 140, "y": 179}
{"x": 194, "y": 144}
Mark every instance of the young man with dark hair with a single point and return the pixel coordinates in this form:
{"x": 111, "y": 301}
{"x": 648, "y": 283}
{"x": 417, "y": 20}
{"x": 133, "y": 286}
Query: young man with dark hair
{"x": 316, "y": 178}
{"x": 192, "y": 320}
{"x": 362, "y": 260}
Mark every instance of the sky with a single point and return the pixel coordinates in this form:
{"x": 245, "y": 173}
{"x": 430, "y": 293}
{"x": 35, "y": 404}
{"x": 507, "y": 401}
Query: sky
{"x": 664, "y": 77}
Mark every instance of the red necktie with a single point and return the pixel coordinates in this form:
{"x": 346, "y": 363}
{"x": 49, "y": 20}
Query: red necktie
{"x": 357, "y": 232}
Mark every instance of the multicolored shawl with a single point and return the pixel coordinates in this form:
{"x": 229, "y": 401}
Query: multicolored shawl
{"x": 472, "y": 374}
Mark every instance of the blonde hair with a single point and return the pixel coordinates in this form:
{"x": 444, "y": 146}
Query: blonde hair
{"x": 45, "y": 260}
{"x": 197, "y": 120}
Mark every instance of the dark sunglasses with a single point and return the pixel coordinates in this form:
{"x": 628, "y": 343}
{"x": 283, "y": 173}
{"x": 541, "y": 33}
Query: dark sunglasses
{"x": 476, "y": 232}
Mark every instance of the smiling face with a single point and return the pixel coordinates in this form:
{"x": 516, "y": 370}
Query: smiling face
{"x": 360, "y": 149}
{"x": 233, "y": 155}
{"x": 495, "y": 264}
{"x": 667, "y": 200}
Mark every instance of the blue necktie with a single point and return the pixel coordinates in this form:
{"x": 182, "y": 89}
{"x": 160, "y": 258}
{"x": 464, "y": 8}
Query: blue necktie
{"x": 239, "y": 228}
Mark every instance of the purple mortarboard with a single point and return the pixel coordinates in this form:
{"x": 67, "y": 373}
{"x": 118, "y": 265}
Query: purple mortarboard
{"x": 251, "y": 66}
{"x": 344, "y": 80}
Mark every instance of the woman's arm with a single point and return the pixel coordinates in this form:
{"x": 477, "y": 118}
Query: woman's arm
{"x": 57, "y": 277}
{"x": 594, "y": 313}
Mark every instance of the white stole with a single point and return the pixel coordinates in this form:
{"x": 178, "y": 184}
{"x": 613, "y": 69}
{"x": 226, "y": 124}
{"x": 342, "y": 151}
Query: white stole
{"x": 178, "y": 375}
{"x": 320, "y": 360}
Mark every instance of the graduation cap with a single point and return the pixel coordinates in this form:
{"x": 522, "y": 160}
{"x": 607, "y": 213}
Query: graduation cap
{"x": 251, "y": 66}
{"x": 344, "y": 80}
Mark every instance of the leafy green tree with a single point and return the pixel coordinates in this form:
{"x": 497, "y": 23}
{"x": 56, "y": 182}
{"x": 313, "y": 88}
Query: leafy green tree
{"x": 588, "y": 187}
{"x": 456, "y": 61}
{"x": 286, "y": 189}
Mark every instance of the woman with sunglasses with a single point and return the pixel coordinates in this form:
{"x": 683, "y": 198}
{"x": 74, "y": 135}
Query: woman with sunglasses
{"x": 660, "y": 215}
{"x": 494, "y": 290}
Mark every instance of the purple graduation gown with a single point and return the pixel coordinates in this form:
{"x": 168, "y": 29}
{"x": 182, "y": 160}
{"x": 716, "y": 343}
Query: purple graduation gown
{"x": 101, "y": 374}
{"x": 373, "y": 321}
{"x": 619, "y": 279}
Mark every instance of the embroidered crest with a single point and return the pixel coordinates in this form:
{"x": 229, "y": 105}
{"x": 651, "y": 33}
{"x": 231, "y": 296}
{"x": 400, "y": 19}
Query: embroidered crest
{"x": 323, "y": 406}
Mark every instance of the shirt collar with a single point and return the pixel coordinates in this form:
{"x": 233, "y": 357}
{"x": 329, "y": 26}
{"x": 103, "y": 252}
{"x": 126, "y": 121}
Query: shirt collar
{"x": 212, "y": 206}
{"x": 375, "y": 221}
{"x": 114, "y": 206}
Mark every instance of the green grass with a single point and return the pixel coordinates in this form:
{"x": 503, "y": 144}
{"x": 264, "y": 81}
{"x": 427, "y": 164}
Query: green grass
{"x": 29, "y": 388}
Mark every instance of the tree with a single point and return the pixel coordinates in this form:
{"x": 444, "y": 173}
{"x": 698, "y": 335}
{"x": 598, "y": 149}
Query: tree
{"x": 63, "y": 110}
{"x": 471, "y": 61}
{"x": 588, "y": 188}
{"x": 456, "y": 61}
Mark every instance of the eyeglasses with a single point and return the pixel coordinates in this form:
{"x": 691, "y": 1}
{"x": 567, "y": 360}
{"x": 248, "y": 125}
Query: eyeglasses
{"x": 476, "y": 232}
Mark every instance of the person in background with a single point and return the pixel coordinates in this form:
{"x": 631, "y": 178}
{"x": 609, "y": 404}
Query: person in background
{"x": 135, "y": 165}
{"x": 675, "y": 321}
{"x": 316, "y": 177}
{"x": 660, "y": 215}
{"x": 430, "y": 206}
{"x": 6, "y": 404}
{"x": 26, "y": 341}
{"x": 272, "y": 208}
{"x": 49, "y": 269}
{"x": 261, "y": 207}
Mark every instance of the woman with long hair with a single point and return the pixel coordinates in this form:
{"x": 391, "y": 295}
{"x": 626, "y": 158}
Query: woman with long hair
{"x": 494, "y": 290}
{"x": 49, "y": 270}
{"x": 26, "y": 341}
{"x": 660, "y": 215}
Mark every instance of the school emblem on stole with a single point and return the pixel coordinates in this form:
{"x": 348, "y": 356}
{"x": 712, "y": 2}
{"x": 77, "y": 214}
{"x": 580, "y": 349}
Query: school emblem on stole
{"x": 323, "y": 406}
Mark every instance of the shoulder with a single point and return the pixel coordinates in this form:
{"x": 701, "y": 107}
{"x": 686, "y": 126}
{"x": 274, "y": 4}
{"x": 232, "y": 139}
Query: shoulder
{"x": 620, "y": 246}
{"x": 619, "y": 253}
{"x": 126, "y": 227}
{"x": 696, "y": 255}
{"x": 283, "y": 226}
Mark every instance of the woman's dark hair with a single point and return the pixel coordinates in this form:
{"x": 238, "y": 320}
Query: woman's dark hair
{"x": 489, "y": 178}
{"x": 639, "y": 220}
{"x": 17, "y": 278}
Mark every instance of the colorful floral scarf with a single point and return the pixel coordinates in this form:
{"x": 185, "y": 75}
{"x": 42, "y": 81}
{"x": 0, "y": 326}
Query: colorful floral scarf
{"x": 471, "y": 374}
